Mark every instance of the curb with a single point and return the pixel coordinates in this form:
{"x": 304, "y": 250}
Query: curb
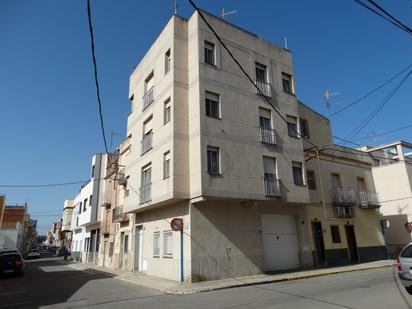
{"x": 289, "y": 278}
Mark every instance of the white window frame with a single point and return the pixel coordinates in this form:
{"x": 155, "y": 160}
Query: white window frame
{"x": 156, "y": 244}
{"x": 167, "y": 112}
{"x": 213, "y": 149}
{"x": 210, "y": 46}
{"x": 168, "y": 247}
{"x": 166, "y": 164}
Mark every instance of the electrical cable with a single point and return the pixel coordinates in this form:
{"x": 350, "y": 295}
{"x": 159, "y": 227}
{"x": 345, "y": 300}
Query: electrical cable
{"x": 405, "y": 27}
{"x": 48, "y": 185}
{"x": 95, "y": 75}
{"x": 384, "y": 133}
{"x": 372, "y": 114}
{"x": 393, "y": 22}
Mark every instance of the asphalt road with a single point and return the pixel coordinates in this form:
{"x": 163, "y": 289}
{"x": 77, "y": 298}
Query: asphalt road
{"x": 48, "y": 283}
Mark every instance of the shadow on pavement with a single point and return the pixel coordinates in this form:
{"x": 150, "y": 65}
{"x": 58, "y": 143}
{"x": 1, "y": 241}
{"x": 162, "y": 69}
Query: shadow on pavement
{"x": 47, "y": 281}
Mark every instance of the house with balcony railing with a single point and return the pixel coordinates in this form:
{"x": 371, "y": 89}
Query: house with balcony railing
{"x": 146, "y": 143}
{"x": 272, "y": 185}
{"x": 268, "y": 136}
{"x": 119, "y": 215}
{"x": 264, "y": 88}
{"x": 148, "y": 98}
{"x": 369, "y": 199}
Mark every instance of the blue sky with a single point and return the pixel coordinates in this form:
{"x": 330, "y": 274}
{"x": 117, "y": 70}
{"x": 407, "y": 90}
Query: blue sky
{"x": 49, "y": 126}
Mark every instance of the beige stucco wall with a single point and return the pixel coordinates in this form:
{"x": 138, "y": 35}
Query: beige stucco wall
{"x": 227, "y": 237}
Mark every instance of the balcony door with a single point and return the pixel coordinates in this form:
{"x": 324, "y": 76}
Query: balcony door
{"x": 336, "y": 182}
{"x": 352, "y": 245}
{"x": 360, "y": 184}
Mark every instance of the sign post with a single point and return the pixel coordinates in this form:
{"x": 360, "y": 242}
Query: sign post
{"x": 177, "y": 225}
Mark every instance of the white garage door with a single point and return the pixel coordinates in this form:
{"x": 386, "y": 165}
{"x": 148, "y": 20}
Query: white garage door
{"x": 280, "y": 242}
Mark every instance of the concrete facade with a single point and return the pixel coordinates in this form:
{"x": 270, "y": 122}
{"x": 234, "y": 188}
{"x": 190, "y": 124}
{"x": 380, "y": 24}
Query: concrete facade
{"x": 207, "y": 149}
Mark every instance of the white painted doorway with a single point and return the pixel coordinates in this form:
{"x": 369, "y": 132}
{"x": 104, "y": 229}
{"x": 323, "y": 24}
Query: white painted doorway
{"x": 138, "y": 248}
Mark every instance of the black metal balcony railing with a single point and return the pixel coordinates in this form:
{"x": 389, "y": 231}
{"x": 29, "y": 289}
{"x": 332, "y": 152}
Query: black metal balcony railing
{"x": 268, "y": 136}
{"x": 119, "y": 215}
{"x": 272, "y": 185}
{"x": 147, "y": 142}
{"x": 265, "y": 88}
{"x": 344, "y": 211}
{"x": 107, "y": 198}
{"x": 343, "y": 196}
{"x": 145, "y": 193}
{"x": 369, "y": 199}
{"x": 148, "y": 98}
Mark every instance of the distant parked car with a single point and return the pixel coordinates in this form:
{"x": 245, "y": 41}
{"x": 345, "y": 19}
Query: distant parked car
{"x": 11, "y": 262}
{"x": 404, "y": 265}
{"x": 52, "y": 249}
{"x": 33, "y": 254}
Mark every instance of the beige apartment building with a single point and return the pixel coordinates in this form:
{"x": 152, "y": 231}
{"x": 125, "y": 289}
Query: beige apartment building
{"x": 392, "y": 173}
{"x": 66, "y": 223}
{"x": 207, "y": 149}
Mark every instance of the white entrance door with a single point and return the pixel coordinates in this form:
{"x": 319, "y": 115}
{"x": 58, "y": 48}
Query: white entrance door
{"x": 280, "y": 242}
{"x": 138, "y": 248}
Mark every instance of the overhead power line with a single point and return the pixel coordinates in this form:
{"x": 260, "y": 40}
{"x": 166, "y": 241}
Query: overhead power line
{"x": 45, "y": 185}
{"x": 380, "y": 11}
{"x": 244, "y": 71}
{"x": 95, "y": 75}
{"x": 383, "y": 133}
{"x": 374, "y": 112}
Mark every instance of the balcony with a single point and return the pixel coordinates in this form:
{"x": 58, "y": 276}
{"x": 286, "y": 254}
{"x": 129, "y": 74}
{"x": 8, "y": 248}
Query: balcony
{"x": 268, "y": 136}
{"x": 107, "y": 198}
{"x": 369, "y": 200}
{"x": 105, "y": 228}
{"x": 344, "y": 211}
{"x": 119, "y": 215}
{"x": 145, "y": 193}
{"x": 146, "y": 142}
{"x": 112, "y": 166}
{"x": 265, "y": 88}
{"x": 121, "y": 177}
{"x": 272, "y": 185}
{"x": 148, "y": 98}
{"x": 343, "y": 197}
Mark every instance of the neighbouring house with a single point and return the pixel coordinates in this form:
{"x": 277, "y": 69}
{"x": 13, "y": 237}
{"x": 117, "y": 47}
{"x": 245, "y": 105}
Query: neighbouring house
{"x": 86, "y": 218}
{"x": 392, "y": 173}
{"x": 116, "y": 230}
{"x": 66, "y": 223}
{"x": 344, "y": 206}
{"x": 207, "y": 149}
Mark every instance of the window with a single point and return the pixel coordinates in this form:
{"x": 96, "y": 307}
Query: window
{"x": 334, "y": 230}
{"x": 213, "y": 160}
{"x": 376, "y": 162}
{"x": 80, "y": 207}
{"x": 407, "y": 252}
{"x": 260, "y": 72}
{"x": 149, "y": 82}
{"x": 156, "y": 244}
{"x": 304, "y": 128}
{"x": 168, "y": 61}
{"x": 310, "y": 176}
{"x": 292, "y": 127}
{"x": 168, "y": 244}
{"x": 166, "y": 112}
{"x": 269, "y": 166}
{"x": 77, "y": 221}
{"x": 212, "y": 105}
{"x": 297, "y": 173}
{"x": 90, "y": 200}
{"x": 210, "y": 53}
{"x": 166, "y": 164}
{"x": 126, "y": 244}
{"x": 265, "y": 118}
{"x": 336, "y": 182}
{"x": 287, "y": 83}
{"x": 85, "y": 204}
{"x": 146, "y": 183}
{"x": 361, "y": 184}
{"x": 92, "y": 171}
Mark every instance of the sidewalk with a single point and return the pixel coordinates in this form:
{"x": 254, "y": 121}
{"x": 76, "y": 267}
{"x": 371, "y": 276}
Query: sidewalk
{"x": 173, "y": 287}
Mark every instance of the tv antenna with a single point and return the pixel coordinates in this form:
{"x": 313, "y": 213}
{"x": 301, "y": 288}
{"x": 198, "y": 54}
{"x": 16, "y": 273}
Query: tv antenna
{"x": 175, "y": 6}
{"x": 224, "y": 14}
{"x": 327, "y": 94}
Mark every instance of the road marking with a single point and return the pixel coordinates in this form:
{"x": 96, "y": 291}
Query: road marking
{"x": 14, "y": 292}
{"x": 16, "y": 304}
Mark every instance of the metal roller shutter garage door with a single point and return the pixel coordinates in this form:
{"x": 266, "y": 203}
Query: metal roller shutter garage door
{"x": 280, "y": 242}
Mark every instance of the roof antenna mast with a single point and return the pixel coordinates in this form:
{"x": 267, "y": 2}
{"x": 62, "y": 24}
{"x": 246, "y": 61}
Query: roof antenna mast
{"x": 175, "y": 6}
{"x": 224, "y": 14}
{"x": 327, "y": 94}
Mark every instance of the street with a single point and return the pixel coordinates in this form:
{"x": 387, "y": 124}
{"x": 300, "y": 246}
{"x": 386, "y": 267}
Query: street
{"x": 49, "y": 283}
